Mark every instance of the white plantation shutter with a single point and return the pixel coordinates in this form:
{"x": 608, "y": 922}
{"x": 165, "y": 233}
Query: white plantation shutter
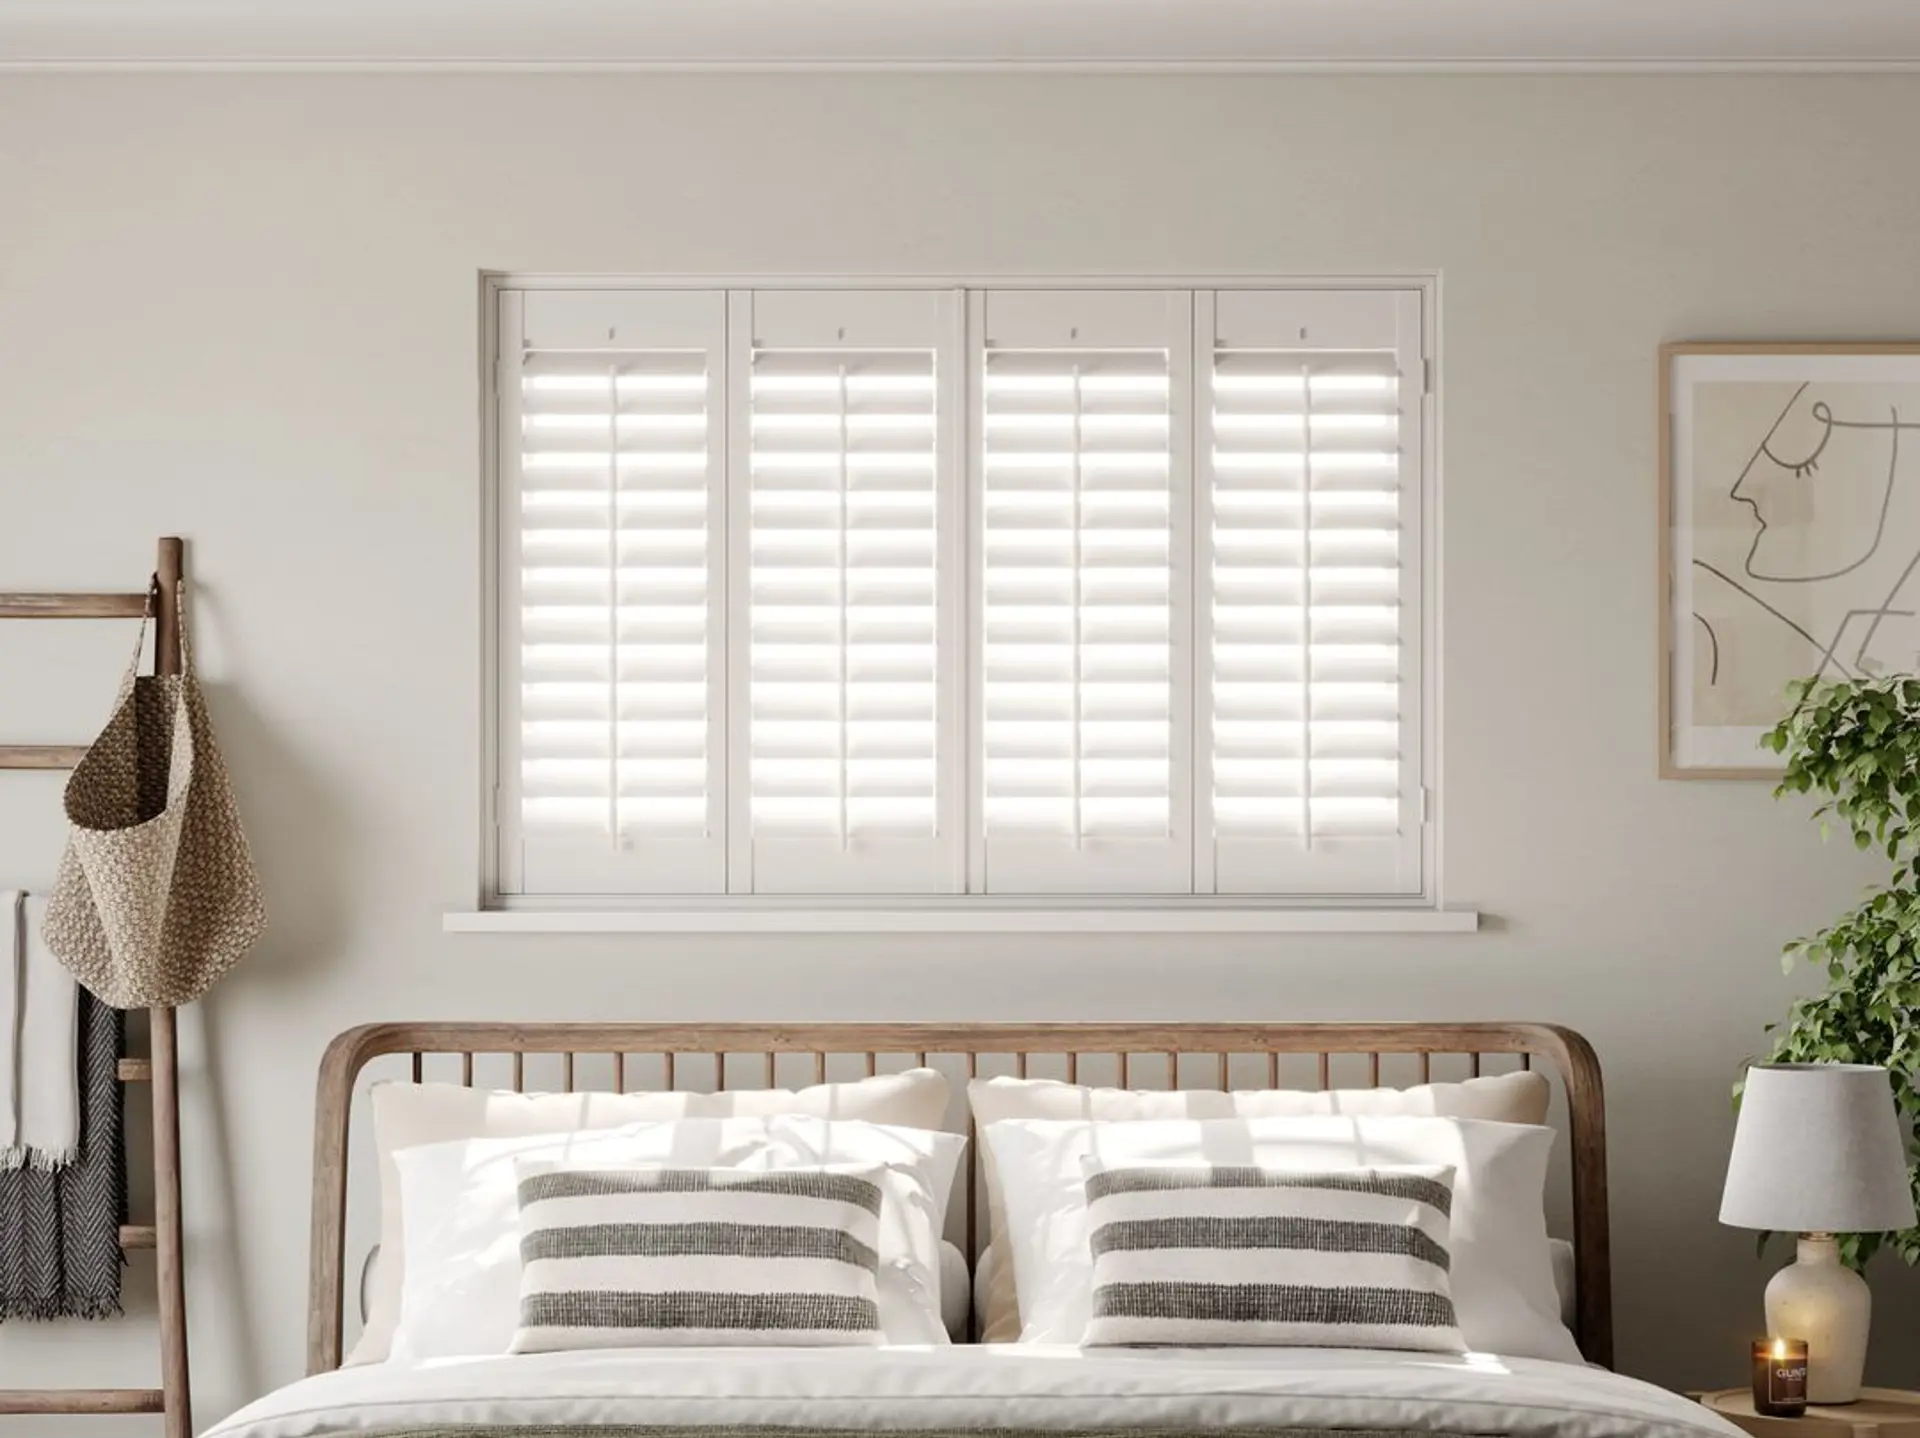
{"x": 987, "y": 593}
{"x": 611, "y": 660}
{"x": 1310, "y": 556}
{"x": 1083, "y": 782}
{"x": 845, "y": 607}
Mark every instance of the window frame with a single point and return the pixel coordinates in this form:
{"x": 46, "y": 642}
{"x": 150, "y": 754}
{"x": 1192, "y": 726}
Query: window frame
{"x": 1422, "y": 911}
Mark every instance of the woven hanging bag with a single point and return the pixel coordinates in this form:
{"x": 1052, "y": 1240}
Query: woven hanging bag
{"x": 156, "y": 896}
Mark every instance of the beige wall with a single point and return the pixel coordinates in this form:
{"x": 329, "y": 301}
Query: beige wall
{"x": 244, "y": 309}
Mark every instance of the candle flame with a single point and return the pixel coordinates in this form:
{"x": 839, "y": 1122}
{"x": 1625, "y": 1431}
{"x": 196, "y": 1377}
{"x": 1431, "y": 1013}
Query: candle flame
{"x": 1779, "y": 1348}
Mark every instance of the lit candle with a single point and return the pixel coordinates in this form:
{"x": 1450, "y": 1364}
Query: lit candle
{"x": 1780, "y": 1377}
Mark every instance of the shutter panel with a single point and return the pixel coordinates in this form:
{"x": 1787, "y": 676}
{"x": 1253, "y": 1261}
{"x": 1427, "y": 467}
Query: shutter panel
{"x": 1084, "y": 575}
{"x": 844, "y": 623}
{"x": 611, "y": 658}
{"x": 1311, "y": 452}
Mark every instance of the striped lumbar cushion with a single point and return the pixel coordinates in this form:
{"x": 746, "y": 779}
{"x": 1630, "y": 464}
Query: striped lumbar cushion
{"x": 628, "y": 1257}
{"x": 1204, "y": 1255}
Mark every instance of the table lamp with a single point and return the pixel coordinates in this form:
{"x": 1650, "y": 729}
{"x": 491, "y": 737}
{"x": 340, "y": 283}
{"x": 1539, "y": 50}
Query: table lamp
{"x": 1818, "y": 1151}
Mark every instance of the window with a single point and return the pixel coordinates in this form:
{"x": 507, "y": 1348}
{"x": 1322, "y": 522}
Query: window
{"x": 1007, "y": 595}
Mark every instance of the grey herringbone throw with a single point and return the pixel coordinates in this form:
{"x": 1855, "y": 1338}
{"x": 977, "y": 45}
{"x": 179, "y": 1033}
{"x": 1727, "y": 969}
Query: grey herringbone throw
{"x": 60, "y": 1232}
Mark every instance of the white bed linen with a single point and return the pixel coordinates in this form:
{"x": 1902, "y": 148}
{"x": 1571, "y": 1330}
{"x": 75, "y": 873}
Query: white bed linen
{"x": 1024, "y": 1386}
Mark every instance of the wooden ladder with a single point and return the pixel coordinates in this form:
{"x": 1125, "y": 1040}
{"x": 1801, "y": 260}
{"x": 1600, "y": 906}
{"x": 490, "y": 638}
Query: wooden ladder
{"x": 161, "y": 1072}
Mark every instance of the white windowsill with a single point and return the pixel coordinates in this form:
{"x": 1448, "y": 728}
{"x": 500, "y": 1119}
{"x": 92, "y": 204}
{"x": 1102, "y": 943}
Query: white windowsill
{"x": 974, "y": 920}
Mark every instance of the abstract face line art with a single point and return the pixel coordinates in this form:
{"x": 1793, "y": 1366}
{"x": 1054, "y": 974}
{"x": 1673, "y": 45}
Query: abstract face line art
{"x": 1880, "y": 435}
{"x": 1795, "y": 510}
{"x": 1866, "y": 460}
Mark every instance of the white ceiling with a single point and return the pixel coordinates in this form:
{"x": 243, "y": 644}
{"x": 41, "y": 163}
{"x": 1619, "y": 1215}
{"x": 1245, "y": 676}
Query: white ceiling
{"x": 1230, "y": 34}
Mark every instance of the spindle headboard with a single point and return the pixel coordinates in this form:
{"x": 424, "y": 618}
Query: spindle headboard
{"x": 1227, "y": 1055}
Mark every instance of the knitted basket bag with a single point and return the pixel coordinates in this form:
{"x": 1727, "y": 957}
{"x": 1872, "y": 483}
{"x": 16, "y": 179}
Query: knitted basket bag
{"x": 156, "y": 896}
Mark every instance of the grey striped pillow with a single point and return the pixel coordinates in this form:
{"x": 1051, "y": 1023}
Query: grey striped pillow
{"x": 631, "y": 1257}
{"x": 1203, "y": 1255}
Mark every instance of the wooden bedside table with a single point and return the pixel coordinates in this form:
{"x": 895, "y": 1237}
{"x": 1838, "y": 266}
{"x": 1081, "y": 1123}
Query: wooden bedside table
{"x": 1880, "y": 1413}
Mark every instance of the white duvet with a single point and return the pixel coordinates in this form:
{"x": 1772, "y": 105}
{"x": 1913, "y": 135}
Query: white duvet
{"x": 1001, "y": 1386}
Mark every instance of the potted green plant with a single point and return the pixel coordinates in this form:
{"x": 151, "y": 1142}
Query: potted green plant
{"x": 1857, "y": 744}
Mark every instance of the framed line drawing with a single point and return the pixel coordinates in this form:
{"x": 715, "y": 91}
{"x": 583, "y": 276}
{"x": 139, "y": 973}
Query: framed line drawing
{"x": 1789, "y": 536}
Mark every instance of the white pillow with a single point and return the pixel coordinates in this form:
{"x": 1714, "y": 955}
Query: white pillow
{"x": 460, "y": 1292}
{"x": 1502, "y": 1274}
{"x": 1566, "y": 1278}
{"x": 1503, "y": 1098}
{"x": 406, "y": 1114}
{"x": 956, "y": 1292}
{"x": 986, "y": 1273}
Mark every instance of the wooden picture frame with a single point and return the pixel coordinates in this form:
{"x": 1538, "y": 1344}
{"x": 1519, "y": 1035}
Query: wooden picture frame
{"x": 1803, "y": 581}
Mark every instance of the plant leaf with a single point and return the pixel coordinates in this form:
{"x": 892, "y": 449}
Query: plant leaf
{"x": 1856, "y": 744}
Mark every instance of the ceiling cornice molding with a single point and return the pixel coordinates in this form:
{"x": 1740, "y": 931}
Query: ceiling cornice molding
{"x": 472, "y": 66}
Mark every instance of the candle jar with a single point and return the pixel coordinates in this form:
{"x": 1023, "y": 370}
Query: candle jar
{"x": 1780, "y": 1377}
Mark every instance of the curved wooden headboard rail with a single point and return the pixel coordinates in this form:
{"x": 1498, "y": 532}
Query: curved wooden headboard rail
{"x": 1568, "y": 1054}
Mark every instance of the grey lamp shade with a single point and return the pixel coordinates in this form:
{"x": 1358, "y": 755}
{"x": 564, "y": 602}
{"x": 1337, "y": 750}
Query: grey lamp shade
{"x": 1818, "y": 1149}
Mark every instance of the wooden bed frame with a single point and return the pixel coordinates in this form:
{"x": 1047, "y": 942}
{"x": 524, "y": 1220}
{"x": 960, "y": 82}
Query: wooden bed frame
{"x": 1566, "y": 1051}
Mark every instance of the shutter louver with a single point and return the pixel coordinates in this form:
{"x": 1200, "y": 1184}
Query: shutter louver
{"x": 1312, "y": 497}
{"x": 613, "y": 596}
{"x": 844, "y": 595}
{"x": 1080, "y": 701}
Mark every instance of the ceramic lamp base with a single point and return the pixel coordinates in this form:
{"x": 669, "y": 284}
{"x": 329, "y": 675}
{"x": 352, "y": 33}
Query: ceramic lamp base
{"x": 1820, "y": 1299}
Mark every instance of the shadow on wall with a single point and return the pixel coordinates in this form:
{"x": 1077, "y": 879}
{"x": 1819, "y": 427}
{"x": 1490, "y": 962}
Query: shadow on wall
{"x": 306, "y": 885}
